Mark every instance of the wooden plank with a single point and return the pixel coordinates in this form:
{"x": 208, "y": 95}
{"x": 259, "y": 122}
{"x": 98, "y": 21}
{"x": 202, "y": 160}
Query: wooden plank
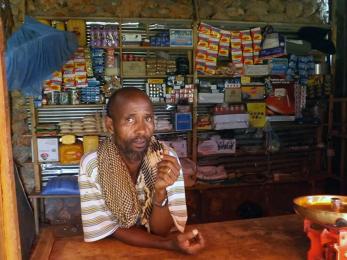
{"x": 44, "y": 245}
{"x": 2, "y": 231}
{"x": 256, "y": 240}
{"x": 37, "y": 173}
{"x": 9, "y": 226}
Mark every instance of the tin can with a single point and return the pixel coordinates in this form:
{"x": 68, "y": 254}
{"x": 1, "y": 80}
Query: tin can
{"x": 74, "y": 97}
{"x": 53, "y": 98}
{"x": 64, "y": 98}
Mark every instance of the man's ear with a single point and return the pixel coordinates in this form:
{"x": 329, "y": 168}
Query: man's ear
{"x": 109, "y": 124}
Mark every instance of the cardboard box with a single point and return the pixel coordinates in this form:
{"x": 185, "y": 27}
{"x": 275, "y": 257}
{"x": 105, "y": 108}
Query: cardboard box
{"x": 134, "y": 68}
{"x": 180, "y": 147}
{"x": 181, "y": 37}
{"x": 232, "y": 95}
{"x": 211, "y": 98}
{"x": 253, "y": 92}
{"x": 230, "y": 121}
{"x": 183, "y": 121}
{"x": 48, "y": 149}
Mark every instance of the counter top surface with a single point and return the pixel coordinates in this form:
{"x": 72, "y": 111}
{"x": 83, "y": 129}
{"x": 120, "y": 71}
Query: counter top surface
{"x": 262, "y": 238}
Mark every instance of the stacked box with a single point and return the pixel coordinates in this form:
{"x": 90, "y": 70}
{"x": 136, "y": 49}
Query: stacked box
{"x": 224, "y": 43}
{"x": 247, "y": 47}
{"x": 256, "y": 39}
{"x": 202, "y": 47}
{"x": 236, "y": 50}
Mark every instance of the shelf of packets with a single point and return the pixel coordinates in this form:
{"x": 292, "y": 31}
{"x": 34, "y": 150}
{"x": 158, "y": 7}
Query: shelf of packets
{"x": 224, "y": 116}
{"x": 81, "y": 80}
{"x": 235, "y": 48}
{"x": 172, "y": 90}
{"x": 67, "y": 150}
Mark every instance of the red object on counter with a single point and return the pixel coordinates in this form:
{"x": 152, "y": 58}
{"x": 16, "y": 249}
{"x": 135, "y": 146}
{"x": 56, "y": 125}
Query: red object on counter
{"x": 329, "y": 243}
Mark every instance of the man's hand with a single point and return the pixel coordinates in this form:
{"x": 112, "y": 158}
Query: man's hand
{"x": 168, "y": 172}
{"x": 190, "y": 242}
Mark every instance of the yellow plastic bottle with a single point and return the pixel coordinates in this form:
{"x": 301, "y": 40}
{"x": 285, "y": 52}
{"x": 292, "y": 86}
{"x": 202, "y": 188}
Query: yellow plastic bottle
{"x": 70, "y": 150}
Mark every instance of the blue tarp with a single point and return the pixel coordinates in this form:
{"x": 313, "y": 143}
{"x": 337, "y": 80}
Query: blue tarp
{"x": 34, "y": 52}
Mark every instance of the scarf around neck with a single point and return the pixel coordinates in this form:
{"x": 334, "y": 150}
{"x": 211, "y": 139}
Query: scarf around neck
{"x": 118, "y": 190}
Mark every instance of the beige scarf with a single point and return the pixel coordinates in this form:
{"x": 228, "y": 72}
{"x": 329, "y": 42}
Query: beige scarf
{"x": 118, "y": 190}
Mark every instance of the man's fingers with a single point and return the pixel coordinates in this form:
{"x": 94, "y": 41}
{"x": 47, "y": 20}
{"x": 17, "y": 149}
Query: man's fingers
{"x": 167, "y": 170}
{"x": 186, "y": 236}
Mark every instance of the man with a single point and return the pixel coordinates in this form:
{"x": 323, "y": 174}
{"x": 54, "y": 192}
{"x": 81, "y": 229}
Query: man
{"x": 133, "y": 182}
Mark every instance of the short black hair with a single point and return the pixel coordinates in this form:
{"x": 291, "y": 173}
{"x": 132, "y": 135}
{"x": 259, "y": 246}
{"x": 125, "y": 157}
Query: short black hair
{"x": 118, "y": 92}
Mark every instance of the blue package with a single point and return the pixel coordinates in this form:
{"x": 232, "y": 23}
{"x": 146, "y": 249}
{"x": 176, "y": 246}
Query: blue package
{"x": 62, "y": 185}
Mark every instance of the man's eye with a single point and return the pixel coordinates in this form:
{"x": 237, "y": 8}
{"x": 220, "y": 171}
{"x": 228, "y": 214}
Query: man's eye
{"x": 130, "y": 120}
{"x": 149, "y": 119}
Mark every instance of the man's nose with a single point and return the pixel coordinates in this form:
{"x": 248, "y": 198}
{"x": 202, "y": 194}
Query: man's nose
{"x": 140, "y": 127}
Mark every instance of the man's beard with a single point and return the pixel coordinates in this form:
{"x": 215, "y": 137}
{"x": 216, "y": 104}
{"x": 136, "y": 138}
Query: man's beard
{"x": 125, "y": 149}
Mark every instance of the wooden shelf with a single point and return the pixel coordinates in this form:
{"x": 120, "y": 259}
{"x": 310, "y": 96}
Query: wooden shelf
{"x": 153, "y": 76}
{"x": 217, "y": 76}
{"x": 206, "y": 186}
{"x": 154, "y": 48}
{"x": 37, "y": 195}
{"x": 260, "y": 152}
{"x": 74, "y": 106}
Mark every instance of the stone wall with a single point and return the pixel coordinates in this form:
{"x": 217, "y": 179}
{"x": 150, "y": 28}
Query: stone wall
{"x": 21, "y": 141}
{"x": 291, "y": 11}
{"x": 295, "y": 11}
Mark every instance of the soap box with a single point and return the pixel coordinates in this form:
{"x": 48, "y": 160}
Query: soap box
{"x": 47, "y": 149}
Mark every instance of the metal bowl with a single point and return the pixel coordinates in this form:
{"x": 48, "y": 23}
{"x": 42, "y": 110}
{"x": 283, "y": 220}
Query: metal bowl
{"x": 319, "y": 208}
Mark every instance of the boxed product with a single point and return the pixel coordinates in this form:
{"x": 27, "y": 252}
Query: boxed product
{"x": 180, "y": 147}
{"x": 253, "y": 92}
{"x": 134, "y": 68}
{"x": 183, "y": 121}
{"x": 232, "y": 95}
{"x": 47, "y": 149}
{"x": 230, "y": 121}
{"x": 181, "y": 37}
{"x": 211, "y": 98}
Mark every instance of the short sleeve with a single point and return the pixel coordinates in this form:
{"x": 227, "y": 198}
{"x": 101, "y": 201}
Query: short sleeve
{"x": 177, "y": 200}
{"x": 97, "y": 221}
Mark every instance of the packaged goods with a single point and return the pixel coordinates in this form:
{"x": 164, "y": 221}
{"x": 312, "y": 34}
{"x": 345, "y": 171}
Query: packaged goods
{"x": 70, "y": 153}
{"x": 79, "y": 28}
{"x": 90, "y": 143}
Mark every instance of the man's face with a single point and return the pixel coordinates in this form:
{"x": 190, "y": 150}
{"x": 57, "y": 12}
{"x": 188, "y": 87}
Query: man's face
{"x": 133, "y": 126}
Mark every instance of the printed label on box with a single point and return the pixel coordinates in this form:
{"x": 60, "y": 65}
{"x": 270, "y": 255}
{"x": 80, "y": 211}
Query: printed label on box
{"x": 181, "y": 37}
{"x": 47, "y": 149}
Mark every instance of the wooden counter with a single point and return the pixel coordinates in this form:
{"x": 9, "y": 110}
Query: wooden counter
{"x": 263, "y": 238}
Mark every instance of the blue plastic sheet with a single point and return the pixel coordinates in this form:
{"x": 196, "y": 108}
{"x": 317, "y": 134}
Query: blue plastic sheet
{"x": 62, "y": 185}
{"x": 34, "y": 52}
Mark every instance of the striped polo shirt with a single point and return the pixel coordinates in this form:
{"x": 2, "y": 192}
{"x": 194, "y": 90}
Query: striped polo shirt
{"x": 98, "y": 221}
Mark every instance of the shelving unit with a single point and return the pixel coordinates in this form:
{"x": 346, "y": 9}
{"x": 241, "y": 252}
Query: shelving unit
{"x": 203, "y": 198}
{"x": 337, "y": 140}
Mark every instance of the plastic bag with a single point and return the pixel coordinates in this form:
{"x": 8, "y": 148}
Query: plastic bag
{"x": 273, "y": 44}
{"x": 34, "y": 52}
{"x": 62, "y": 185}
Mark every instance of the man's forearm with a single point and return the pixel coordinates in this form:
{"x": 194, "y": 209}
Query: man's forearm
{"x": 160, "y": 221}
{"x": 140, "y": 237}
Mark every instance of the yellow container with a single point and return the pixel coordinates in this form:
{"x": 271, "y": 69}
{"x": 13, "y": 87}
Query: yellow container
{"x": 90, "y": 143}
{"x": 70, "y": 153}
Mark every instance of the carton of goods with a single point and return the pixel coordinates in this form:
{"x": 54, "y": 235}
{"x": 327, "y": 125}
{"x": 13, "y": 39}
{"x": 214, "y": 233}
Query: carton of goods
{"x": 47, "y": 149}
{"x": 211, "y": 97}
{"x": 183, "y": 121}
{"x": 134, "y": 68}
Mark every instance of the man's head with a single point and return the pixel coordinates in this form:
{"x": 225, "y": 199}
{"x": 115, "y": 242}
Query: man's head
{"x": 130, "y": 119}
